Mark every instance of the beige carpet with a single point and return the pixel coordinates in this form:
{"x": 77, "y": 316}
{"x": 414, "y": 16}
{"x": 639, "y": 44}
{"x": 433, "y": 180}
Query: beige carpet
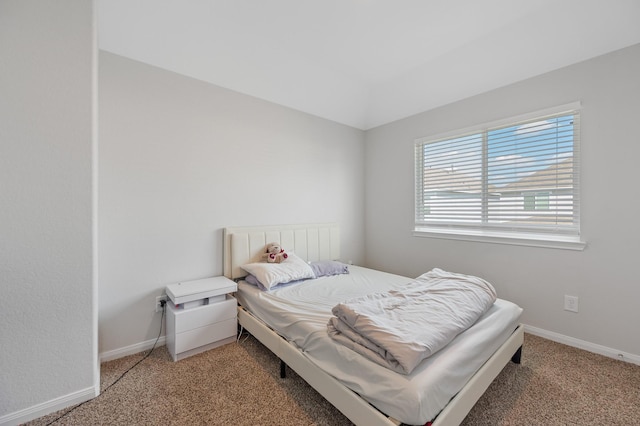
{"x": 239, "y": 384}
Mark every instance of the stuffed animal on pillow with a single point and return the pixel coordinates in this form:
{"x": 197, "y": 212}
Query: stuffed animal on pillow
{"x": 275, "y": 253}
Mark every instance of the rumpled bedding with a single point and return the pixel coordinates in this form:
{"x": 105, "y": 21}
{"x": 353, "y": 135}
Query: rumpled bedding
{"x": 400, "y": 328}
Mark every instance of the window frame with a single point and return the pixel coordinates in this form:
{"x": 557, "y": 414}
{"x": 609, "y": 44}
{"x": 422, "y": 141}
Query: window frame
{"x": 480, "y": 233}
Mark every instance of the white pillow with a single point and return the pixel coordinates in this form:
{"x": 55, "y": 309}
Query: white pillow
{"x": 272, "y": 274}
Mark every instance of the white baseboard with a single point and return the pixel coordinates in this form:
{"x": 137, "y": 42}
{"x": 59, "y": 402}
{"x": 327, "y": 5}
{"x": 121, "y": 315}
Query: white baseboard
{"x": 550, "y": 335}
{"x": 582, "y": 344}
{"x": 130, "y": 350}
{"x": 39, "y": 410}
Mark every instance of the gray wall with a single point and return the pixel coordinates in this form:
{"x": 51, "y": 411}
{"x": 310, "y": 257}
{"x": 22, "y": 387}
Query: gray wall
{"x": 48, "y": 331}
{"x": 604, "y": 275}
{"x": 181, "y": 159}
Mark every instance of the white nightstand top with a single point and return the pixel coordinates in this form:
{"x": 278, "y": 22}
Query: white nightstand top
{"x": 188, "y": 291}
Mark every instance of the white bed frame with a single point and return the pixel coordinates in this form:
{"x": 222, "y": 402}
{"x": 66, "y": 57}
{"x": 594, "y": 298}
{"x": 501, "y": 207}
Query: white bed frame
{"x": 314, "y": 242}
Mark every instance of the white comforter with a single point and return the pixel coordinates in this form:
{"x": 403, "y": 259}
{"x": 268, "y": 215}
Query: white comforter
{"x": 400, "y": 328}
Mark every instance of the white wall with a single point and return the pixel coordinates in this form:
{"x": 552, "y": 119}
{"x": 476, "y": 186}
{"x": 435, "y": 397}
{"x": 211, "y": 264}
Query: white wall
{"x": 48, "y": 332}
{"x": 181, "y": 159}
{"x": 604, "y": 276}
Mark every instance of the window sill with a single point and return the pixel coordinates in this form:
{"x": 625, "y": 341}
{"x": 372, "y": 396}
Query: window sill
{"x": 531, "y": 240}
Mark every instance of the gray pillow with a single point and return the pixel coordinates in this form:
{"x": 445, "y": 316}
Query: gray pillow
{"x": 328, "y": 267}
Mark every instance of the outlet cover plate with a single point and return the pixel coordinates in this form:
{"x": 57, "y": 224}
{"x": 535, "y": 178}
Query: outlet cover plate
{"x": 158, "y": 300}
{"x": 571, "y": 303}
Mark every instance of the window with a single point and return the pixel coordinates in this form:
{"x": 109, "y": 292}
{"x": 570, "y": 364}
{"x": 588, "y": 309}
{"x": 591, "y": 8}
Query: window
{"x": 536, "y": 201}
{"x": 517, "y": 179}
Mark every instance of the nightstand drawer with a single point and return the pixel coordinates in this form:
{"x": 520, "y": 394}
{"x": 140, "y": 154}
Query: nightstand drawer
{"x": 201, "y": 316}
{"x": 205, "y": 335}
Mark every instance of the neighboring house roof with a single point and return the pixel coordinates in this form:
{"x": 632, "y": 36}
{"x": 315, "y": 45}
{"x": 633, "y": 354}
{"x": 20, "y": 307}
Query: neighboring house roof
{"x": 556, "y": 176}
{"x": 449, "y": 180}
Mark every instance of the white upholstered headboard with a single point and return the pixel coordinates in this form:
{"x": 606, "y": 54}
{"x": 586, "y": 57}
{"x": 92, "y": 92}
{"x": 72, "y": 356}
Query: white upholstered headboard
{"x": 311, "y": 242}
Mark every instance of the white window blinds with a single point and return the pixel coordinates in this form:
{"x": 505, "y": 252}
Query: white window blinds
{"x": 520, "y": 177}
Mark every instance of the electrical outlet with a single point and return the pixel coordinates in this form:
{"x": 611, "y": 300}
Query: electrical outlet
{"x": 571, "y": 303}
{"x": 158, "y": 300}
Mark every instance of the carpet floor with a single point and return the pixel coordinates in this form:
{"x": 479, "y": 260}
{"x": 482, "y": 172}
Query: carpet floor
{"x": 239, "y": 384}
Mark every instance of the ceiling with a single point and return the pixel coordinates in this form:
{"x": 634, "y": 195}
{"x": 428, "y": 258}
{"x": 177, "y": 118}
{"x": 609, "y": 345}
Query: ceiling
{"x": 365, "y": 63}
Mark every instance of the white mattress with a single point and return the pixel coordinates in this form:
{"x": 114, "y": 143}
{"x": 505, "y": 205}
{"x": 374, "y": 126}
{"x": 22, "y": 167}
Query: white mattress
{"x": 300, "y": 313}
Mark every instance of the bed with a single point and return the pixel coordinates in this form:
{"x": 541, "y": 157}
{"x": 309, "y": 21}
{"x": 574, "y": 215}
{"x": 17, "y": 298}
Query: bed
{"x": 291, "y": 321}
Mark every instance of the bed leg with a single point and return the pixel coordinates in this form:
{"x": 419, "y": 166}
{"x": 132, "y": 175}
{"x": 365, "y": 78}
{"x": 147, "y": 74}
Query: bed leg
{"x": 283, "y": 369}
{"x": 516, "y": 357}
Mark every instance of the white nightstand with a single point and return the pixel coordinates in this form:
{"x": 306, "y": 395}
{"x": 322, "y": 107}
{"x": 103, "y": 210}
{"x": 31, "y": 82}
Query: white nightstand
{"x": 201, "y": 315}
